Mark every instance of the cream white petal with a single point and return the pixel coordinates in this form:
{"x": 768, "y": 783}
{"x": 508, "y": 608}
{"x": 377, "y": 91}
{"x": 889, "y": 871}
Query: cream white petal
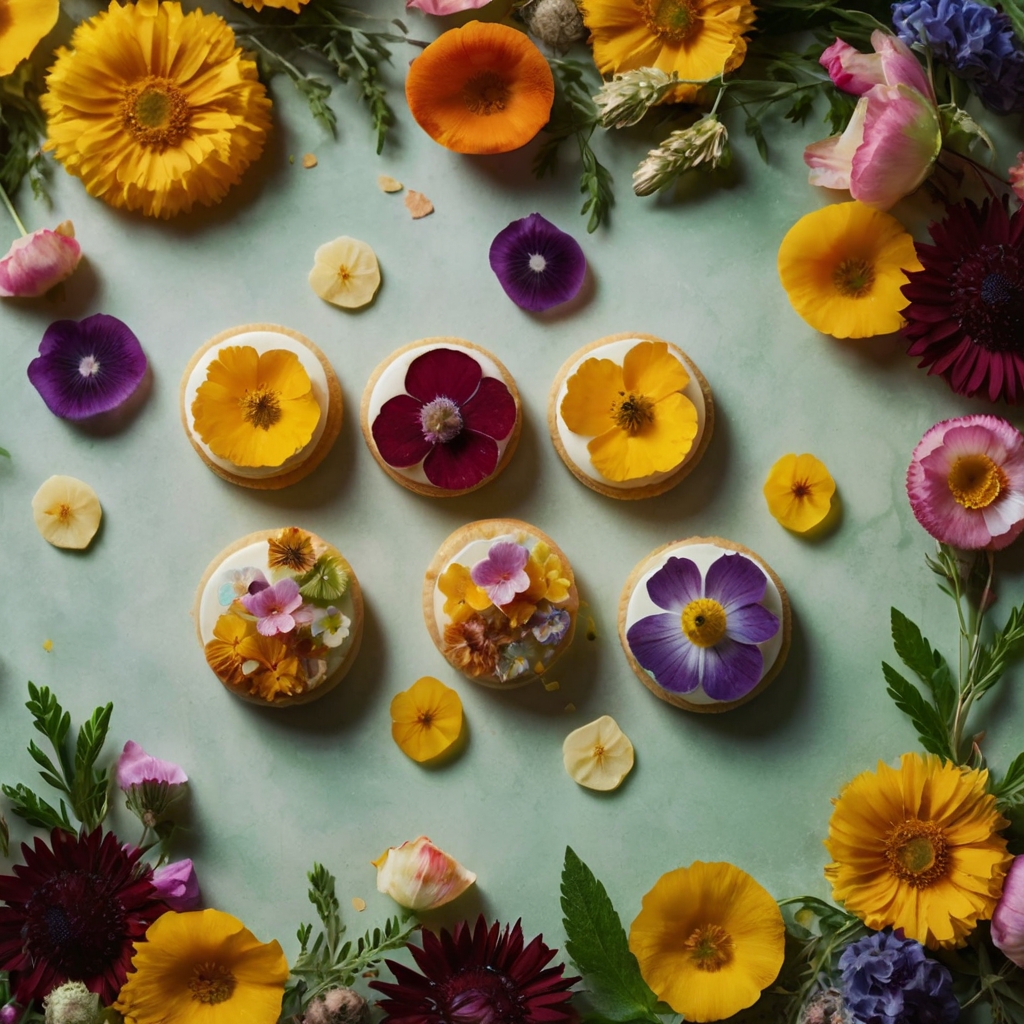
{"x": 345, "y": 272}
{"x": 420, "y": 876}
{"x": 67, "y": 512}
{"x": 598, "y": 755}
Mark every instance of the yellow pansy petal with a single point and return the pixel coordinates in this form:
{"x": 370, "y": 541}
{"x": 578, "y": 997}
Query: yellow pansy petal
{"x": 799, "y": 491}
{"x": 23, "y": 23}
{"x": 236, "y": 366}
{"x": 591, "y": 394}
{"x": 650, "y": 370}
{"x": 426, "y": 719}
{"x": 598, "y": 755}
{"x": 67, "y": 512}
{"x": 345, "y": 272}
{"x": 281, "y": 371}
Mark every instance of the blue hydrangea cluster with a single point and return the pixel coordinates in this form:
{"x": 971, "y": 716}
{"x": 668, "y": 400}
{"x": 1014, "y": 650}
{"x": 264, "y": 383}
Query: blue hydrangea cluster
{"x": 975, "y": 41}
{"x": 888, "y": 979}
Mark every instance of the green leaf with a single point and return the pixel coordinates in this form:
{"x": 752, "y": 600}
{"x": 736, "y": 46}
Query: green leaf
{"x": 596, "y": 942}
{"x": 996, "y": 655}
{"x": 1010, "y": 788}
{"x": 931, "y": 729}
{"x": 36, "y": 811}
{"x": 753, "y": 128}
{"x": 927, "y": 664}
{"x": 5, "y": 453}
{"x": 325, "y": 582}
{"x": 322, "y": 896}
{"x": 5, "y": 837}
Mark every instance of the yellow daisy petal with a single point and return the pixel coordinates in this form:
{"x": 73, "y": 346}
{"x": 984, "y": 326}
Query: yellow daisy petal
{"x": 590, "y": 397}
{"x": 345, "y": 272}
{"x": 67, "y": 512}
{"x": 426, "y": 719}
{"x": 598, "y": 755}
{"x": 799, "y": 492}
{"x": 23, "y": 23}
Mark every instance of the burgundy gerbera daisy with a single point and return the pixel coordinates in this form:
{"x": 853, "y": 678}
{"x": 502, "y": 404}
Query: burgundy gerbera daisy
{"x": 450, "y": 420}
{"x": 966, "y": 314}
{"x": 72, "y": 912}
{"x": 486, "y": 976}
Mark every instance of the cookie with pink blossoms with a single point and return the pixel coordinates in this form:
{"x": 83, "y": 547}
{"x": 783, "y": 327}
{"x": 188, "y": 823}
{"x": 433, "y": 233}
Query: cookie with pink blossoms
{"x": 966, "y": 482}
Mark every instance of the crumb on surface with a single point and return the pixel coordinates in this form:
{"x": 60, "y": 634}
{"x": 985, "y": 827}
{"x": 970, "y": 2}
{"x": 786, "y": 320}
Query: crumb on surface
{"x": 309, "y": 160}
{"x": 358, "y": 904}
{"x": 388, "y": 184}
{"x": 418, "y": 204}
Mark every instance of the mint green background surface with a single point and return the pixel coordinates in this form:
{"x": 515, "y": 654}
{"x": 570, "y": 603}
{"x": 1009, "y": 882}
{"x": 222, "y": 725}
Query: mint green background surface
{"x": 274, "y": 790}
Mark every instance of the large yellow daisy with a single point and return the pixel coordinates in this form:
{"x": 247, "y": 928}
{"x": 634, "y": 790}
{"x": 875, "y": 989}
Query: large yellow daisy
{"x": 289, "y": 5}
{"x": 698, "y": 39}
{"x": 22, "y": 24}
{"x": 918, "y": 848}
{"x": 155, "y": 109}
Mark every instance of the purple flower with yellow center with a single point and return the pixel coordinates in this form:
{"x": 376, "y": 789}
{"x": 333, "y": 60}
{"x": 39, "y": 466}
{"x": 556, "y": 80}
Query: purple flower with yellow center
{"x": 87, "y": 367}
{"x": 550, "y": 626}
{"x": 502, "y": 574}
{"x": 537, "y": 264}
{"x": 278, "y": 609}
{"x": 709, "y": 636}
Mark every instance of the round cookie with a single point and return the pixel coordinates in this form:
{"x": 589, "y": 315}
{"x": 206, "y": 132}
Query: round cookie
{"x": 674, "y": 624}
{"x": 512, "y": 626}
{"x": 574, "y": 447}
{"x": 442, "y": 416}
{"x": 312, "y": 603}
{"x": 326, "y": 390}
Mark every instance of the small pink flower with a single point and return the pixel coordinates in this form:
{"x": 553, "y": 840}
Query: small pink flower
{"x": 1008, "y": 919}
{"x": 178, "y": 886}
{"x": 420, "y": 876}
{"x": 501, "y": 574}
{"x": 1017, "y": 177}
{"x": 442, "y": 7}
{"x": 37, "y": 262}
{"x": 135, "y": 767}
{"x": 278, "y": 609}
{"x": 966, "y": 482}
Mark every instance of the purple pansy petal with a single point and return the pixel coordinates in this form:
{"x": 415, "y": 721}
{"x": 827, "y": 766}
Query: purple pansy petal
{"x": 491, "y": 411}
{"x": 675, "y": 584}
{"x": 87, "y": 367}
{"x": 538, "y": 265}
{"x": 443, "y": 372}
{"x": 733, "y": 581}
{"x": 659, "y": 645}
{"x": 731, "y": 670}
{"x": 751, "y": 624}
{"x": 398, "y": 432}
{"x": 463, "y": 462}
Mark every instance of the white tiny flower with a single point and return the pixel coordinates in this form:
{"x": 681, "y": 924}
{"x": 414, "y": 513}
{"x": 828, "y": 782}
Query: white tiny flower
{"x": 627, "y": 97}
{"x": 704, "y": 144}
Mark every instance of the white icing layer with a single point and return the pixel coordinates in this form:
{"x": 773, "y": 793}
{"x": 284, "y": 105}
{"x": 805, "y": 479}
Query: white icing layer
{"x": 262, "y": 341}
{"x": 575, "y": 445}
{"x": 702, "y": 555}
{"x": 391, "y": 383}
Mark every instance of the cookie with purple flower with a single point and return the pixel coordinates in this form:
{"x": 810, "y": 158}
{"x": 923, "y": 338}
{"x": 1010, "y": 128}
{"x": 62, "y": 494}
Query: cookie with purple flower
{"x": 500, "y": 602}
{"x": 441, "y": 416}
{"x": 705, "y": 624}
{"x": 279, "y": 615}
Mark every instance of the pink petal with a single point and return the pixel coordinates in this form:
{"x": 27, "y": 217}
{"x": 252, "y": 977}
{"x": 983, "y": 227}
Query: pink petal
{"x": 831, "y": 160}
{"x": 442, "y": 7}
{"x": 1008, "y": 919}
{"x": 850, "y": 70}
{"x": 178, "y": 886}
{"x": 37, "y": 262}
{"x": 899, "y": 65}
{"x": 135, "y": 766}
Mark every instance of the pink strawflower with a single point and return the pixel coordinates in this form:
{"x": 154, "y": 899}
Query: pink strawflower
{"x": 37, "y": 262}
{"x": 966, "y": 482}
{"x": 501, "y": 574}
{"x": 278, "y": 609}
{"x": 1008, "y": 919}
{"x": 442, "y": 7}
{"x": 1017, "y": 177}
{"x": 135, "y": 767}
{"x": 178, "y": 886}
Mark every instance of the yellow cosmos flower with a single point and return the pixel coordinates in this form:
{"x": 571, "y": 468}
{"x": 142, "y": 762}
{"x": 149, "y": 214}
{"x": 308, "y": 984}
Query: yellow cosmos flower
{"x": 203, "y": 967}
{"x": 23, "y": 23}
{"x": 709, "y": 940}
{"x": 698, "y": 39}
{"x": 255, "y": 410}
{"x": 222, "y": 653}
{"x": 640, "y": 421}
{"x": 843, "y": 267}
{"x": 918, "y": 848}
{"x": 154, "y": 109}
{"x": 426, "y": 719}
{"x": 799, "y": 492}
{"x": 345, "y": 273}
{"x": 462, "y": 596}
{"x": 295, "y": 6}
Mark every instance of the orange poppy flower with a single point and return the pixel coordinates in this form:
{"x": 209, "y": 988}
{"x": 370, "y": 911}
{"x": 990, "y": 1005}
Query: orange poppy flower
{"x": 482, "y": 88}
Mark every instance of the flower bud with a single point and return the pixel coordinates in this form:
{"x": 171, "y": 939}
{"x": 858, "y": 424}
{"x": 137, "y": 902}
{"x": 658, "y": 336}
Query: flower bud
{"x": 1008, "y": 918}
{"x": 178, "y": 885}
{"x": 419, "y": 876}
{"x": 72, "y": 1003}
{"x": 151, "y": 785}
{"x": 556, "y": 23}
{"x": 37, "y": 262}
{"x": 10, "y": 1014}
{"x": 339, "y": 1006}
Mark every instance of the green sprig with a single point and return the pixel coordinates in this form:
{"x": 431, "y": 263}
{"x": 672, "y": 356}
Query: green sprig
{"x": 22, "y": 130}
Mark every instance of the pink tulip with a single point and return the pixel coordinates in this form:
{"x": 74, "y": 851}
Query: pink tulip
{"x": 1008, "y": 919}
{"x": 178, "y": 885}
{"x": 894, "y": 136}
{"x": 37, "y": 262}
{"x": 441, "y": 7}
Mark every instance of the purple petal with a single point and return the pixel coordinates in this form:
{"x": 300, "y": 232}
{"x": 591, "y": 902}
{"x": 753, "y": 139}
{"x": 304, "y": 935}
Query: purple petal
{"x": 538, "y": 265}
{"x": 87, "y": 367}
{"x": 751, "y": 624}
{"x": 675, "y": 584}
{"x": 491, "y": 411}
{"x": 398, "y": 432}
{"x": 135, "y": 766}
{"x": 462, "y": 462}
{"x": 178, "y": 886}
{"x": 660, "y": 646}
{"x": 443, "y": 372}
{"x": 733, "y": 581}
{"x": 731, "y": 670}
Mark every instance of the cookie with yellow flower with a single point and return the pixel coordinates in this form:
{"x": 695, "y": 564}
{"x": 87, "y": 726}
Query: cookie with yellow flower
{"x": 500, "y": 602}
{"x": 630, "y": 415}
{"x": 261, "y": 405}
{"x": 279, "y": 615}
{"x": 705, "y": 624}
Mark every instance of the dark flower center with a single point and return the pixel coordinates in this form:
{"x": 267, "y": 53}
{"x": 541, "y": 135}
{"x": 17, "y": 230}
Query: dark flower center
{"x": 211, "y": 983}
{"x": 485, "y": 93}
{"x": 481, "y": 995}
{"x": 441, "y": 421}
{"x": 155, "y": 112}
{"x": 917, "y": 852}
{"x": 709, "y": 947}
{"x": 633, "y": 412}
{"x": 261, "y": 407}
{"x": 854, "y": 278}
{"x": 670, "y": 20}
{"x": 988, "y": 297}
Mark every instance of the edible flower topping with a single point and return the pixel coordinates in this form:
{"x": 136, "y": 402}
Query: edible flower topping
{"x": 345, "y": 273}
{"x": 331, "y": 628}
{"x": 419, "y": 876}
{"x": 67, "y": 512}
{"x": 799, "y": 492}
{"x": 278, "y": 671}
{"x": 538, "y": 265}
{"x": 223, "y": 652}
{"x": 37, "y": 262}
{"x": 501, "y": 574}
{"x": 291, "y": 549}
{"x": 426, "y": 719}
{"x": 598, "y": 755}
{"x": 278, "y": 608}
{"x": 473, "y": 645}
{"x": 462, "y": 596}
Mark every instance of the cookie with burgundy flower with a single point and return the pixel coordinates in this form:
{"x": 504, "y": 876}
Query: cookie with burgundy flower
{"x": 500, "y": 602}
{"x": 279, "y": 615}
{"x": 442, "y": 416}
{"x": 705, "y": 624}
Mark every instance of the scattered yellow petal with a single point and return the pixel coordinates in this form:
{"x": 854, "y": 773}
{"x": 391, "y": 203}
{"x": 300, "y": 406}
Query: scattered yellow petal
{"x": 418, "y": 204}
{"x": 47, "y": 646}
{"x": 67, "y": 512}
{"x": 598, "y": 755}
{"x": 345, "y": 272}
{"x": 358, "y": 904}
{"x": 551, "y": 685}
{"x": 591, "y": 628}
{"x": 570, "y": 707}
{"x": 388, "y": 184}
{"x": 426, "y": 719}
{"x": 799, "y": 492}
{"x": 309, "y": 160}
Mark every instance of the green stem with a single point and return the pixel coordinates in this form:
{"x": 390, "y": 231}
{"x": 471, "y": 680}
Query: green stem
{"x": 12, "y": 211}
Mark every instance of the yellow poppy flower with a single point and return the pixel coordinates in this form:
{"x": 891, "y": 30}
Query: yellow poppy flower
{"x": 598, "y": 755}
{"x": 255, "y": 410}
{"x": 697, "y": 39}
{"x": 281, "y": 674}
{"x": 918, "y": 848}
{"x": 222, "y": 652}
{"x": 640, "y": 421}
{"x": 462, "y": 596}
{"x": 154, "y": 109}
{"x": 23, "y": 23}
{"x": 799, "y": 492}
{"x": 426, "y": 719}
{"x": 843, "y": 267}
{"x": 203, "y": 967}
{"x": 709, "y": 939}
{"x": 345, "y": 273}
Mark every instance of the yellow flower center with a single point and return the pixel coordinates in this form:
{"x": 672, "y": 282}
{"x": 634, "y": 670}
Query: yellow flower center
{"x": 709, "y": 947}
{"x": 211, "y": 983}
{"x": 155, "y": 112}
{"x": 917, "y": 852}
{"x": 633, "y": 412}
{"x": 486, "y": 93}
{"x": 975, "y": 481}
{"x": 671, "y": 20}
{"x": 854, "y": 278}
{"x": 62, "y": 512}
{"x": 261, "y": 408}
{"x": 704, "y": 622}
